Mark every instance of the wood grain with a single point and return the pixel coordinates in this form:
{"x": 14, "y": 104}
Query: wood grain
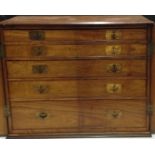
{"x": 153, "y": 85}
{"x": 79, "y": 116}
{"x": 76, "y": 35}
{"x": 3, "y": 127}
{"x": 27, "y": 90}
{"x": 46, "y": 50}
{"x": 79, "y": 68}
{"x": 75, "y": 20}
{"x": 59, "y": 115}
{"x": 77, "y": 75}
{"x": 114, "y": 114}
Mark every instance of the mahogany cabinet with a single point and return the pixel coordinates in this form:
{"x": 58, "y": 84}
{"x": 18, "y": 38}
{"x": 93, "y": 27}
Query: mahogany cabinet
{"x": 76, "y": 76}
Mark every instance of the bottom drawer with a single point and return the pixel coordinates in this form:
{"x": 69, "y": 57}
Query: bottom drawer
{"x": 89, "y": 116}
{"x": 112, "y": 115}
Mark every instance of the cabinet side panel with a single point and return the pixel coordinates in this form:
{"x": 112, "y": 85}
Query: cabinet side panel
{"x": 153, "y": 84}
{"x": 3, "y": 128}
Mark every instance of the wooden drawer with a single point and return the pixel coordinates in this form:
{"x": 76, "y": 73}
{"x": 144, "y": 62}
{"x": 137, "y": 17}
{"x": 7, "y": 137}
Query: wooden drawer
{"x": 89, "y": 116}
{"x": 76, "y": 68}
{"x": 113, "y": 115}
{"x": 89, "y": 50}
{"x": 45, "y": 115}
{"x": 27, "y": 90}
{"x": 74, "y": 35}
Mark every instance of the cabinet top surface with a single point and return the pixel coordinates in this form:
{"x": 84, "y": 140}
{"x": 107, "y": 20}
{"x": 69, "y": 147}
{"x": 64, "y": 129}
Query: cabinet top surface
{"x": 75, "y": 20}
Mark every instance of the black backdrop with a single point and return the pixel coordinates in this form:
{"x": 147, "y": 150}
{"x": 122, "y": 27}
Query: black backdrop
{"x": 151, "y": 17}
{"x": 5, "y": 17}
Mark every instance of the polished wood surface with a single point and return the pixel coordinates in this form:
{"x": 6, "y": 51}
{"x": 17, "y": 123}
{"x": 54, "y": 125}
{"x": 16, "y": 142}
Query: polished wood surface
{"x": 78, "y": 68}
{"x": 114, "y": 114}
{"x": 40, "y": 51}
{"x": 75, "y": 20}
{"x": 27, "y": 90}
{"x": 3, "y": 124}
{"x": 61, "y": 115}
{"x": 77, "y": 75}
{"x": 75, "y": 35}
{"x": 153, "y": 85}
{"x": 3, "y": 128}
{"x": 79, "y": 116}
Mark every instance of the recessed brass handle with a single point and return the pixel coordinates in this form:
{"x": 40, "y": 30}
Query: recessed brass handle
{"x": 37, "y": 35}
{"x": 113, "y": 50}
{"x": 41, "y": 89}
{"x": 40, "y": 69}
{"x": 116, "y": 114}
{"x": 114, "y": 68}
{"x": 114, "y": 88}
{"x": 38, "y": 51}
{"x": 113, "y": 35}
{"x": 43, "y": 115}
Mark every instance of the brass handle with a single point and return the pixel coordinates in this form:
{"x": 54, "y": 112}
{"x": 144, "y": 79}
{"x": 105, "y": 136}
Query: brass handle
{"x": 114, "y": 68}
{"x": 42, "y": 89}
{"x": 116, "y": 50}
{"x": 114, "y": 88}
{"x": 43, "y": 115}
{"x": 116, "y": 114}
{"x": 39, "y": 69}
{"x": 38, "y": 50}
{"x": 37, "y": 35}
{"x": 113, "y": 35}
{"x": 113, "y": 49}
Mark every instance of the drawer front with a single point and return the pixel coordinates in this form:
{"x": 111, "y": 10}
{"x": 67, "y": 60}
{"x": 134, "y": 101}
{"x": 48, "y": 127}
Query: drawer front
{"x": 74, "y": 35}
{"x": 45, "y": 115}
{"x": 28, "y": 90}
{"x": 79, "y": 68}
{"x": 114, "y": 115}
{"x": 89, "y": 116}
{"x": 41, "y": 50}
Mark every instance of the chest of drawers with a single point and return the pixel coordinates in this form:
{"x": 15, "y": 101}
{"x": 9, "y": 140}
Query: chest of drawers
{"x": 76, "y": 76}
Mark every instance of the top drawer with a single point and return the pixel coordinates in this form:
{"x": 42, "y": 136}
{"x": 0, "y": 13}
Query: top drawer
{"x": 74, "y": 35}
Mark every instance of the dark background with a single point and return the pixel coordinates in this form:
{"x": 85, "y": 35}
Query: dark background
{"x": 151, "y": 17}
{"x": 2, "y": 17}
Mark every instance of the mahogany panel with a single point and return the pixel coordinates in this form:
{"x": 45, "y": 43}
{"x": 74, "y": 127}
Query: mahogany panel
{"x": 3, "y": 124}
{"x": 74, "y": 35}
{"x": 78, "y": 68}
{"x": 114, "y": 115}
{"x": 32, "y": 21}
{"x": 46, "y": 50}
{"x": 27, "y": 90}
{"x": 153, "y": 85}
{"x": 90, "y": 116}
{"x": 3, "y": 121}
{"x": 42, "y": 115}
